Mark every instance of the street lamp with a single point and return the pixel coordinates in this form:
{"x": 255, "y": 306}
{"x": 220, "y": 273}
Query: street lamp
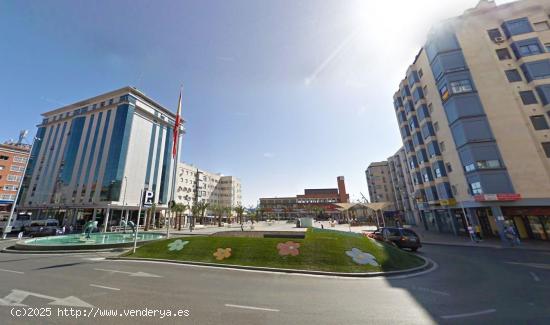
{"x": 8, "y": 224}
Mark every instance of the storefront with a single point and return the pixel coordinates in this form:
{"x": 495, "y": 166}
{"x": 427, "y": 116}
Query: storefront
{"x": 529, "y": 222}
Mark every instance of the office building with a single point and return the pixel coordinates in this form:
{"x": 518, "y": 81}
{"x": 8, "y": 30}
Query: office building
{"x": 473, "y": 112}
{"x": 91, "y": 159}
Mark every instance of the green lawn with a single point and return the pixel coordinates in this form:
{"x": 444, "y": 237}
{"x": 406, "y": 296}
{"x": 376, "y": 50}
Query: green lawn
{"x": 321, "y": 250}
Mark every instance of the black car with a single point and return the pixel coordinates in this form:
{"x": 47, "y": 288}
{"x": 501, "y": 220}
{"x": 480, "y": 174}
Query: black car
{"x": 401, "y": 237}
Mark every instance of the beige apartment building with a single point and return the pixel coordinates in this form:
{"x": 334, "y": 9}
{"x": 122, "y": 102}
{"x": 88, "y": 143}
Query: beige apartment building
{"x": 473, "y": 112}
{"x": 198, "y": 185}
{"x": 403, "y": 188}
{"x": 379, "y": 181}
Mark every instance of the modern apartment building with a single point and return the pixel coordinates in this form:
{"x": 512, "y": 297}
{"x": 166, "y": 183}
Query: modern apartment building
{"x": 379, "y": 181}
{"x": 473, "y": 112}
{"x": 13, "y": 157}
{"x": 196, "y": 185}
{"x": 92, "y": 158}
{"x": 403, "y": 188}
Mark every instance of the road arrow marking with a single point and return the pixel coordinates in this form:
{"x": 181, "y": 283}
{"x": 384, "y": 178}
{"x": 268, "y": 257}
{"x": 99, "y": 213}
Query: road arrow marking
{"x": 104, "y": 287}
{"x": 535, "y": 277}
{"x": 140, "y": 274}
{"x": 16, "y": 297}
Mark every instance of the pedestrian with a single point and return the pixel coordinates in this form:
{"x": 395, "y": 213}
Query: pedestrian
{"x": 322, "y": 226}
{"x": 515, "y": 237}
{"x": 20, "y": 235}
{"x": 242, "y": 227}
{"x": 478, "y": 232}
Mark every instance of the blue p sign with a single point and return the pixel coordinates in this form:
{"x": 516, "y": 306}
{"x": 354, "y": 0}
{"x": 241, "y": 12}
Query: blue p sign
{"x": 148, "y": 198}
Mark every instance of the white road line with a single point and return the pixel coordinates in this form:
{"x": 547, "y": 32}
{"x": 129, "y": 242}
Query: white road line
{"x": 477, "y": 313}
{"x": 3, "y": 270}
{"x": 250, "y": 307}
{"x": 535, "y": 277}
{"x": 104, "y": 287}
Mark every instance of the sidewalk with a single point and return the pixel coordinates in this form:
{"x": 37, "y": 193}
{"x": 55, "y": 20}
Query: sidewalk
{"x": 432, "y": 238}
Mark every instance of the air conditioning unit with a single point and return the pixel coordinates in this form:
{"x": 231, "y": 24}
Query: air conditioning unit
{"x": 499, "y": 39}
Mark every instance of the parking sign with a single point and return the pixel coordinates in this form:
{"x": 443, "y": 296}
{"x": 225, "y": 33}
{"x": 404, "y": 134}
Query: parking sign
{"x": 148, "y": 198}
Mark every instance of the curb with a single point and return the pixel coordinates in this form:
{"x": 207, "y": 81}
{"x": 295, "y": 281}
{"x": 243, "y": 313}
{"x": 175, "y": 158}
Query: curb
{"x": 9, "y": 250}
{"x": 428, "y": 264}
{"x": 523, "y": 248}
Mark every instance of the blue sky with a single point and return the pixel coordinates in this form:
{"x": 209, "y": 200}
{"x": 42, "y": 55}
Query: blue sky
{"x": 283, "y": 94}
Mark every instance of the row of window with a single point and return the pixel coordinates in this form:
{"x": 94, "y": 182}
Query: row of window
{"x": 9, "y": 197}
{"x": 10, "y": 188}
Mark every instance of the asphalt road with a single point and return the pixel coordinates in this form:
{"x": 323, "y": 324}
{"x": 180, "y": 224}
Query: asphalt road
{"x": 470, "y": 285}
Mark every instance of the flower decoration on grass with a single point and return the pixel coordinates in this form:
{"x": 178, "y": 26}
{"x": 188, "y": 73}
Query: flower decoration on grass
{"x": 362, "y": 258}
{"x": 222, "y": 253}
{"x": 288, "y": 248}
{"x": 177, "y": 245}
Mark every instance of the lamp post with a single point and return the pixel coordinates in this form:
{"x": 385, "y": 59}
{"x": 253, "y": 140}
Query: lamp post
{"x": 8, "y": 224}
{"x": 124, "y": 201}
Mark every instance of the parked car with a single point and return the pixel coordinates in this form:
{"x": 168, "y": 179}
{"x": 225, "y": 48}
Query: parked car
{"x": 41, "y": 228}
{"x": 401, "y": 237}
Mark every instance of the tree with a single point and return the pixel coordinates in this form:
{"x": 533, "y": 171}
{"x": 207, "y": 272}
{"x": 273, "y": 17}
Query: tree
{"x": 218, "y": 211}
{"x": 239, "y": 210}
{"x": 176, "y": 210}
{"x": 202, "y": 206}
{"x": 195, "y": 211}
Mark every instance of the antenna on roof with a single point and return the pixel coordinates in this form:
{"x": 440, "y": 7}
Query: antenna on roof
{"x": 22, "y": 136}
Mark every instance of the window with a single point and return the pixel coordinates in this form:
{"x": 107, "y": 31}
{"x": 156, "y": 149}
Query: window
{"x": 461, "y": 86}
{"x": 2, "y": 167}
{"x": 540, "y": 26}
{"x": 539, "y": 122}
{"x": 444, "y": 92}
{"x": 513, "y": 75}
{"x": 14, "y": 168}
{"x": 476, "y": 188}
{"x": 13, "y": 178}
{"x": 449, "y": 167}
{"x": 425, "y": 90}
{"x": 547, "y": 46}
{"x": 529, "y": 49}
{"x": 494, "y": 34}
{"x": 536, "y": 70}
{"x": 528, "y": 97}
{"x": 17, "y": 159}
{"x": 503, "y": 54}
{"x": 442, "y": 146}
{"x": 420, "y": 73}
{"x": 436, "y": 126}
{"x": 546, "y": 147}
{"x": 483, "y": 164}
{"x": 430, "y": 108}
{"x": 9, "y": 197}
{"x": 10, "y": 188}
{"x": 517, "y": 27}
{"x": 4, "y": 157}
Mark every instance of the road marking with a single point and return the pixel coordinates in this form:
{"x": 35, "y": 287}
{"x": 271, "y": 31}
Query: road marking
{"x": 16, "y": 297}
{"x": 93, "y": 258}
{"x": 104, "y": 287}
{"x": 140, "y": 274}
{"x": 436, "y": 292}
{"x": 535, "y": 277}
{"x": 477, "y": 313}
{"x": 536, "y": 265}
{"x": 250, "y": 307}
{"x": 3, "y": 270}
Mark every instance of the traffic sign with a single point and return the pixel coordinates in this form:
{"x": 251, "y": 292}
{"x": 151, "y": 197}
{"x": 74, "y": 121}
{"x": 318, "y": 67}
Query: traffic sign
{"x": 148, "y": 198}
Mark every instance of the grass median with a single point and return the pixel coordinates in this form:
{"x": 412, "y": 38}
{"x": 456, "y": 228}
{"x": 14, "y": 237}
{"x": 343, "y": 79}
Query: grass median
{"x": 320, "y": 250}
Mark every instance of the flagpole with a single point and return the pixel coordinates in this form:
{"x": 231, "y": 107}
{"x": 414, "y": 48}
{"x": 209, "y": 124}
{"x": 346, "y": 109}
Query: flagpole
{"x": 175, "y": 158}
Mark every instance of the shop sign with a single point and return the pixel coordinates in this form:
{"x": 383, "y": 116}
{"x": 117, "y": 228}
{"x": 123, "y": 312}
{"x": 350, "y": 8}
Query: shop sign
{"x": 448, "y": 202}
{"x": 498, "y": 197}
